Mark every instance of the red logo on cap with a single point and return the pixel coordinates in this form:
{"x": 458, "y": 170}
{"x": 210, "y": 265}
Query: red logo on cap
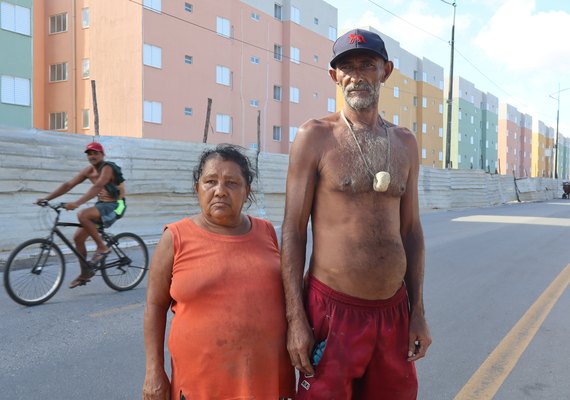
{"x": 358, "y": 38}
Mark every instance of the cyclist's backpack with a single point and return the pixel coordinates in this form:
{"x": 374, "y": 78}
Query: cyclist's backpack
{"x": 112, "y": 187}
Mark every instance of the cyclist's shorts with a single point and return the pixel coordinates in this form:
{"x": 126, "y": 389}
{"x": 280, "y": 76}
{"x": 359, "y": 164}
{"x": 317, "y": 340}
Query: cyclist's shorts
{"x": 110, "y": 211}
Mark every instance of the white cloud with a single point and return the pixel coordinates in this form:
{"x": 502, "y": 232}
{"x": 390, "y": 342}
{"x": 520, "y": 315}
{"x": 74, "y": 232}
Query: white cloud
{"x": 524, "y": 40}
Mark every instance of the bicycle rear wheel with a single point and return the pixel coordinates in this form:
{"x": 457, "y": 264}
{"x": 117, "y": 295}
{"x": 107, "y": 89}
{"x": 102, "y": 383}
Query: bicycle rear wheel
{"x": 34, "y": 272}
{"x": 126, "y": 265}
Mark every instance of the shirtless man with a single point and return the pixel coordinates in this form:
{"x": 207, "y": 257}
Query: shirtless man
{"x": 356, "y": 323}
{"x": 109, "y": 207}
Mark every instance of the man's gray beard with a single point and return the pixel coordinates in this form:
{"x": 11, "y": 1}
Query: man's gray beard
{"x": 360, "y": 103}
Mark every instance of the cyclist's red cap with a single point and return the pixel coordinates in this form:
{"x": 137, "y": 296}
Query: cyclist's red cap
{"x": 95, "y": 147}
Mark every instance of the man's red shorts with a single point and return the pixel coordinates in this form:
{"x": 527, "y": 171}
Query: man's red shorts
{"x": 365, "y": 350}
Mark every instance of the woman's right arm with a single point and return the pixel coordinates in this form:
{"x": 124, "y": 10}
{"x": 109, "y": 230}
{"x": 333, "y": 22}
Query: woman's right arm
{"x": 156, "y": 384}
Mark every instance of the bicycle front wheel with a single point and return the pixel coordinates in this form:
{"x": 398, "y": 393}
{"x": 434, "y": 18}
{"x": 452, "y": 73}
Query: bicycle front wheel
{"x": 34, "y": 272}
{"x": 126, "y": 265}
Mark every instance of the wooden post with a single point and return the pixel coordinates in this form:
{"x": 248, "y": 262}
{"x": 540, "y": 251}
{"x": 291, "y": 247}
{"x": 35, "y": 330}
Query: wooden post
{"x": 207, "y": 124}
{"x": 95, "y": 109}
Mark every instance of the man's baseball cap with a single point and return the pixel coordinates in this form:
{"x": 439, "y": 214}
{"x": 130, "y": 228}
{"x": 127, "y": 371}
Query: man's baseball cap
{"x": 95, "y": 147}
{"x": 358, "y": 39}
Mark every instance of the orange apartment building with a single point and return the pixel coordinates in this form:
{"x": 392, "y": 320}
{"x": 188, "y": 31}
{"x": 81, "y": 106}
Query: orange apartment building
{"x": 412, "y": 97}
{"x": 156, "y": 63}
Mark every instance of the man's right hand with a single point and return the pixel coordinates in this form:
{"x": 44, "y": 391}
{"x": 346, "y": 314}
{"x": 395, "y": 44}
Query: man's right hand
{"x": 300, "y": 343}
{"x": 41, "y": 201}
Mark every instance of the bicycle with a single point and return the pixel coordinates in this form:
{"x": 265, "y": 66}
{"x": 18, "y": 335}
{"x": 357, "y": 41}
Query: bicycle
{"x": 35, "y": 270}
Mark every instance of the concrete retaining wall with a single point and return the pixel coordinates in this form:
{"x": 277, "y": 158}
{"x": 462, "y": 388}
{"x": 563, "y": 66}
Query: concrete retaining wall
{"x": 159, "y": 183}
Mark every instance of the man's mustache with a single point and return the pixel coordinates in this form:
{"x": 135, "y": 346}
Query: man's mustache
{"x": 359, "y": 86}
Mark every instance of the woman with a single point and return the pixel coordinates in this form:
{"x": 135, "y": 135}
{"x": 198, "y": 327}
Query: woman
{"x": 219, "y": 272}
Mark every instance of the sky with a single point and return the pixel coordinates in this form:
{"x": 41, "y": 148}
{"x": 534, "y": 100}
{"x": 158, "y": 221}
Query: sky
{"x": 517, "y": 50}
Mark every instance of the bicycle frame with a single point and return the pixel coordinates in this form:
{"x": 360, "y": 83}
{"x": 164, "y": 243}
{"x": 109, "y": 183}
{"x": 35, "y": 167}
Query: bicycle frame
{"x": 123, "y": 259}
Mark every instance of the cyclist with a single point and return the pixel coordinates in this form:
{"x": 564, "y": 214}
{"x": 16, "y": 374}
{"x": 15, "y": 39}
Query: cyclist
{"x": 108, "y": 185}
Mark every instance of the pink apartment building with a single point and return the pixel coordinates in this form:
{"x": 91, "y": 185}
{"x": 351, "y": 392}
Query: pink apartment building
{"x": 156, "y": 63}
{"x": 515, "y": 141}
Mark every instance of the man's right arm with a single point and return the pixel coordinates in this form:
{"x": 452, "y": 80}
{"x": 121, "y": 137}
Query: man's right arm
{"x": 301, "y": 184}
{"x": 66, "y": 186}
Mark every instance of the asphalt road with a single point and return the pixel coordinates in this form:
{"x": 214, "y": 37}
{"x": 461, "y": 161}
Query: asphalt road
{"x": 485, "y": 269}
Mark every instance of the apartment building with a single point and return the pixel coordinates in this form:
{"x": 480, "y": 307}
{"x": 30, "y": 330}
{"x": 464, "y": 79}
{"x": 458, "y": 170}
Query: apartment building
{"x": 541, "y": 158}
{"x": 489, "y": 132}
{"x": 16, "y": 63}
{"x": 184, "y": 70}
{"x": 412, "y": 97}
{"x": 513, "y": 132}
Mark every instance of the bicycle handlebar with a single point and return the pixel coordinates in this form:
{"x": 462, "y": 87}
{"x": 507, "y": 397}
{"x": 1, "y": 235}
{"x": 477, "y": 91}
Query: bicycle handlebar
{"x": 55, "y": 207}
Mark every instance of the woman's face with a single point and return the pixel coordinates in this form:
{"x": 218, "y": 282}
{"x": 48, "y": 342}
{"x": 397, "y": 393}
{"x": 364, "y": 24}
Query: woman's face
{"x": 222, "y": 192}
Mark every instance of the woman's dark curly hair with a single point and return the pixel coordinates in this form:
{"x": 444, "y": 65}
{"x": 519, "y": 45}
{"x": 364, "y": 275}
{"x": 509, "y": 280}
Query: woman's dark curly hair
{"x": 227, "y": 152}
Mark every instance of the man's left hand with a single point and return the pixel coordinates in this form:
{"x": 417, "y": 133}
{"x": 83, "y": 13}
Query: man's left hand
{"x": 71, "y": 206}
{"x": 419, "y": 338}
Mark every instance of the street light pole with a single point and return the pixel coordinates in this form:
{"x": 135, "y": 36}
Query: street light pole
{"x": 557, "y": 98}
{"x": 450, "y": 95}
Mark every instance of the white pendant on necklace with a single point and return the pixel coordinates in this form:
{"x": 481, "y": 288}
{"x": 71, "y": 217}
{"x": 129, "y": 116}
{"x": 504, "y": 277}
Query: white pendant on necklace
{"x": 381, "y": 181}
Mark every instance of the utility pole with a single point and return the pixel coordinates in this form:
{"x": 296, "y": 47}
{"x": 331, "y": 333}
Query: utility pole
{"x": 450, "y": 95}
{"x": 557, "y": 98}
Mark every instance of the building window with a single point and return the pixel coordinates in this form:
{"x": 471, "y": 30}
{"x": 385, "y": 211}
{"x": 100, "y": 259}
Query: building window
{"x": 85, "y": 68}
{"x": 292, "y": 133}
{"x": 277, "y": 52}
{"x": 154, "y": 5}
{"x": 315, "y": 21}
{"x": 152, "y": 112}
{"x": 15, "y": 18}
{"x": 332, "y": 33}
{"x": 15, "y": 90}
{"x": 85, "y": 18}
{"x": 424, "y": 102}
{"x": 188, "y": 7}
{"x": 277, "y": 93}
{"x": 331, "y": 105}
{"x": 471, "y": 141}
{"x": 152, "y": 56}
{"x": 396, "y": 91}
{"x": 223, "y": 26}
{"x": 58, "y": 23}
{"x": 415, "y": 101}
{"x": 440, "y": 156}
{"x": 223, "y": 123}
{"x": 277, "y": 133}
{"x": 278, "y": 11}
{"x": 295, "y": 15}
{"x": 424, "y": 127}
{"x": 255, "y": 16}
{"x": 254, "y": 103}
{"x": 424, "y": 76}
{"x": 188, "y": 111}
{"x": 188, "y": 59}
{"x": 295, "y": 55}
{"x": 396, "y": 62}
{"x": 316, "y": 58}
{"x": 440, "y": 132}
{"x": 294, "y": 94}
{"x": 396, "y": 119}
{"x": 58, "y": 72}
{"x": 441, "y": 108}
{"x": 223, "y": 76}
{"x": 424, "y": 153}
{"x": 85, "y": 122}
{"x": 254, "y": 60}
{"x": 58, "y": 121}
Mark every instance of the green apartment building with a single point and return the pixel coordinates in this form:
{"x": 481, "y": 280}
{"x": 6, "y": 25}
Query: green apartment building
{"x": 16, "y": 66}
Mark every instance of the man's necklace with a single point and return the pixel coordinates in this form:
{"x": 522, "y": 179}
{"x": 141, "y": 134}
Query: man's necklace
{"x": 382, "y": 178}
